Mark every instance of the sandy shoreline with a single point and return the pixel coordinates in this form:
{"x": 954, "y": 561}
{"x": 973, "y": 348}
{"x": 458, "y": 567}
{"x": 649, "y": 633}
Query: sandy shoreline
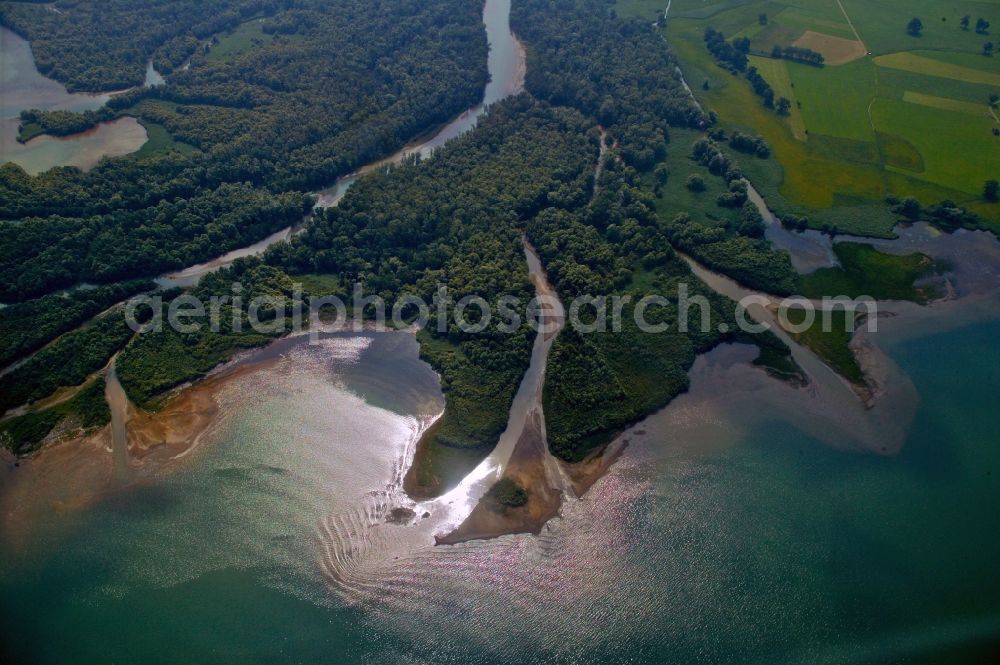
{"x": 78, "y": 470}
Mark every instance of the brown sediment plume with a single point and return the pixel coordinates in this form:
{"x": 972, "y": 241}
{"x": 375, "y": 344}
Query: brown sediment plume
{"x": 546, "y": 480}
{"x": 527, "y": 468}
{"x": 58, "y": 477}
{"x": 78, "y": 470}
{"x": 583, "y": 474}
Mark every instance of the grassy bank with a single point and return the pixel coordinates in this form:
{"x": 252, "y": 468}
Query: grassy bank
{"x": 865, "y": 271}
{"x": 829, "y": 338}
{"x": 160, "y": 141}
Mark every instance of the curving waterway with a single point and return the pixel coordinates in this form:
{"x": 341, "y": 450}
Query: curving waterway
{"x": 507, "y": 66}
{"x": 118, "y": 404}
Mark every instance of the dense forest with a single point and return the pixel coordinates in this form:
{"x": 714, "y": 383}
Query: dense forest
{"x": 68, "y": 361}
{"x": 43, "y": 254}
{"x": 621, "y": 73}
{"x": 321, "y": 89}
{"x": 457, "y": 219}
{"x": 600, "y": 382}
{"x": 618, "y": 72}
{"x": 26, "y": 327}
{"x": 332, "y": 87}
{"x": 267, "y": 126}
{"x": 94, "y": 46}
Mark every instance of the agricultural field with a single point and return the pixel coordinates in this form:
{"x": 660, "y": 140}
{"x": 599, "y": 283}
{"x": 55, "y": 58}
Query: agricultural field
{"x": 888, "y": 113}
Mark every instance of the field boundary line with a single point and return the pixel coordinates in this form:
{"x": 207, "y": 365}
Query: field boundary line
{"x": 850, "y": 23}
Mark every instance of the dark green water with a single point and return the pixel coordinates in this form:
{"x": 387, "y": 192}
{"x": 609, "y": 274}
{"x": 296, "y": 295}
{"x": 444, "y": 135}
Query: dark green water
{"x": 723, "y": 535}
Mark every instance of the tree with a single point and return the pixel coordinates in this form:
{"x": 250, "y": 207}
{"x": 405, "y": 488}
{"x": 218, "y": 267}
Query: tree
{"x": 982, "y": 26}
{"x": 965, "y": 22}
{"x": 988, "y": 49}
{"x": 607, "y": 114}
{"x": 704, "y": 85}
{"x": 695, "y": 183}
{"x": 910, "y": 208}
{"x": 915, "y": 27}
{"x": 798, "y": 54}
{"x": 991, "y": 191}
{"x": 784, "y": 106}
{"x": 762, "y": 19}
{"x": 662, "y": 173}
{"x": 994, "y": 100}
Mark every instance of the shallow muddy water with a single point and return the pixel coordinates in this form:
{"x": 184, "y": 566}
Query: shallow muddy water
{"x": 724, "y": 522}
{"x": 22, "y": 87}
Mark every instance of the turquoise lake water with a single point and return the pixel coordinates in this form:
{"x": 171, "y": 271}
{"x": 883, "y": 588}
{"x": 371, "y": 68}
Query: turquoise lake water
{"x": 728, "y": 538}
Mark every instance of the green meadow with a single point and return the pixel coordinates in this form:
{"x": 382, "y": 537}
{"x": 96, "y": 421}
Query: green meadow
{"x": 777, "y": 74}
{"x": 160, "y": 141}
{"x": 677, "y": 198}
{"x": 831, "y": 342}
{"x": 901, "y": 115}
{"x": 243, "y": 38}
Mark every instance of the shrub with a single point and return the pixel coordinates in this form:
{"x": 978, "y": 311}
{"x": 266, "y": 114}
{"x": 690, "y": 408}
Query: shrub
{"x": 695, "y": 183}
{"x": 507, "y": 494}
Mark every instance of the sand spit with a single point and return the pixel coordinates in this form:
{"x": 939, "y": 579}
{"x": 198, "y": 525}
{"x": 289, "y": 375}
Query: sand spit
{"x": 527, "y": 468}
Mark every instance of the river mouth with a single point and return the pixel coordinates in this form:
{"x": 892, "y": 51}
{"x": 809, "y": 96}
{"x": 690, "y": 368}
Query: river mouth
{"x": 290, "y": 518}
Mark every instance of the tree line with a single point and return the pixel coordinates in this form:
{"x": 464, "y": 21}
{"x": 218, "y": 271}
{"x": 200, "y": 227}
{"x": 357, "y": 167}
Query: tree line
{"x": 798, "y": 54}
{"x": 599, "y": 383}
{"x": 615, "y": 71}
{"x": 26, "y": 327}
{"x": 732, "y": 56}
{"x": 103, "y": 45}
